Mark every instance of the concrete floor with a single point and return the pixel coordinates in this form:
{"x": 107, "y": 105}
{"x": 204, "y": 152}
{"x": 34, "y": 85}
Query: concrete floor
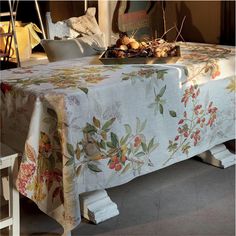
{"x": 188, "y": 198}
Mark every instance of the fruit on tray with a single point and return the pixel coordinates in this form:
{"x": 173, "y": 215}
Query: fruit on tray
{"x": 127, "y": 47}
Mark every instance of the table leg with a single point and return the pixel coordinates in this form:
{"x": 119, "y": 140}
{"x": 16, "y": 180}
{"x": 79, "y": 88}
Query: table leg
{"x": 218, "y": 156}
{"x": 97, "y": 206}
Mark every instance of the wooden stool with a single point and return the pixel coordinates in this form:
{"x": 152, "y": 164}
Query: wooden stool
{"x": 8, "y": 160}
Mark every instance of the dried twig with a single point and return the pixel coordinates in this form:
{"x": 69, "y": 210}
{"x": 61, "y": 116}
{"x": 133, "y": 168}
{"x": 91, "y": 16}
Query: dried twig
{"x": 163, "y": 14}
{"x": 167, "y": 31}
{"x": 180, "y": 35}
{"x": 180, "y": 28}
{"x": 133, "y": 33}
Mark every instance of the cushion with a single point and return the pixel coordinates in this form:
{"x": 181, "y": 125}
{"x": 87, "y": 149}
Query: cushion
{"x": 86, "y": 24}
{"x": 59, "y": 29}
{"x": 58, "y": 50}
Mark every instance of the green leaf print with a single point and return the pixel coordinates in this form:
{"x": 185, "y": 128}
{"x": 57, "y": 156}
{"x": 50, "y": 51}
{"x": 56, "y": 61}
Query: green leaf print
{"x": 126, "y": 168}
{"x": 162, "y": 91}
{"x": 85, "y": 90}
{"x": 70, "y": 149}
{"x": 94, "y": 168}
{"x": 144, "y": 146}
{"x": 150, "y": 144}
{"x": 114, "y": 139}
{"x": 107, "y": 125}
{"x": 96, "y": 122}
{"x": 161, "y": 109}
{"x": 128, "y": 129}
{"x": 110, "y": 145}
{"x": 140, "y": 154}
{"x": 161, "y": 74}
{"x": 70, "y": 162}
{"x": 90, "y": 128}
{"x": 172, "y": 113}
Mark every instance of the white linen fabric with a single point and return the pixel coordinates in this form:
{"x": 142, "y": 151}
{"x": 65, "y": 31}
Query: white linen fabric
{"x": 86, "y": 127}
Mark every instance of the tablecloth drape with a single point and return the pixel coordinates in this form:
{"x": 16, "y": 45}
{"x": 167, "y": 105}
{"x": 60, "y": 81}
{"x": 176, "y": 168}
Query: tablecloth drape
{"x": 86, "y": 127}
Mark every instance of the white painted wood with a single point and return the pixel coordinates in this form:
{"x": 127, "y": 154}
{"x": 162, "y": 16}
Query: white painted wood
{"x": 5, "y": 188}
{"x": 97, "y": 206}
{"x": 8, "y": 159}
{"x": 85, "y": 5}
{"x": 218, "y": 156}
{"x": 66, "y": 233}
{"x": 217, "y": 149}
{"x": 6, "y": 222}
{"x": 90, "y": 197}
{"x": 104, "y": 19}
{"x": 15, "y": 211}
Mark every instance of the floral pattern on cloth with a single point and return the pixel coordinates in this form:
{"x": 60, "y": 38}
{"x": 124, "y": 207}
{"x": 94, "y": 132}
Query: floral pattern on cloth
{"x": 48, "y": 165}
{"x": 190, "y": 125}
{"x": 131, "y": 151}
{"x": 231, "y": 87}
{"x": 85, "y": 127}
{"x": 202, "y": 60}
{"x": 68, "y": 78}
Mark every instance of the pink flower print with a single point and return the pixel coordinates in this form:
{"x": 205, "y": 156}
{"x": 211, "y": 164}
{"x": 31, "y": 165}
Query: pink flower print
{"x": 193, "y": 92}
{"x": 185, "y": 97}
{"x": 137, "y": 141}
{"x": 197, "y": 108}
{"x": 57, "y": 176}
{"x": 52, "y": 175}
{"x": 5, "y": 87}
{"x": 212, "y": 119}
{"x": 212, "y": 111}
{"x": 196, "y": 136}
{"x": 186, "y": 134}
{"x": 191, "y": 89}
{"x": 21, "y": 185}
{"x": 27, "y": 169}
{"x": 176, "y": 138}
{"x": 180, "y": 130}
{"x": 210, "y": 105}
{"x": 198, "y": 92}
{"x": 215, "y": 72}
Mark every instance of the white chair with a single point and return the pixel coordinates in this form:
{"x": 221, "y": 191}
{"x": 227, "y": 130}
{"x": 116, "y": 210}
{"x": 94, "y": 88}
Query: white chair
{"x": 9, "y": 161}
{"x": 69, "y": 45}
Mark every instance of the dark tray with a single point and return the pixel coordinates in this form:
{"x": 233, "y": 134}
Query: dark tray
{"x": 140, "y": 60}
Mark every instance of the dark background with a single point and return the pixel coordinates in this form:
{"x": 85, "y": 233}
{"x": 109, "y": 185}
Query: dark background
{"x": 206, "y": 21}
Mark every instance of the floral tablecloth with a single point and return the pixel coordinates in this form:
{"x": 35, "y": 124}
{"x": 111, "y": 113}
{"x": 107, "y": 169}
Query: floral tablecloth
{"x": 86, "y": 127}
